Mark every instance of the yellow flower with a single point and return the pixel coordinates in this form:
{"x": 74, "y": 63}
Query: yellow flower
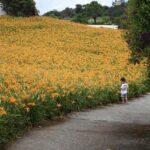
{"x": 2, "y": 111}
{"x": 31, "y": 104}
{"x": 26, "y": 97}
{"x": 54, "y": 95}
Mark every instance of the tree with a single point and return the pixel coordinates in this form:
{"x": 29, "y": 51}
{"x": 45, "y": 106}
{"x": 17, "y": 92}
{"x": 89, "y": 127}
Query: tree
{"x": 54, "y": 13}
{"x": 105, "y": 10}
{"x": 79, "y": 9}
{"x": 93, "y": 10}
{"x": 19, "y": 7}
{"x": 81, "y": 18}
{"x": 68, "y": 12}
{"x": 117, "y": 10}
{"x": 138, "y": 35}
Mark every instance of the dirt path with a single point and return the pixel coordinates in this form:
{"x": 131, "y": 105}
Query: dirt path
{"x": 116, "y": 127}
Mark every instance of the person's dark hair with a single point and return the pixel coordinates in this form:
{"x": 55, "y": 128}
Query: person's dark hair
{"x": 123, "y": 79}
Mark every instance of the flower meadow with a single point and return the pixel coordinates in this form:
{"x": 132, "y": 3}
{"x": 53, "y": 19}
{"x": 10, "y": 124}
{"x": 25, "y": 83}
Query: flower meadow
{"x": 50, "y": 67}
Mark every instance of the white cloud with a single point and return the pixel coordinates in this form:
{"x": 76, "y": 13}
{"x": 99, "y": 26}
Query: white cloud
{"x": 46, "y": 5}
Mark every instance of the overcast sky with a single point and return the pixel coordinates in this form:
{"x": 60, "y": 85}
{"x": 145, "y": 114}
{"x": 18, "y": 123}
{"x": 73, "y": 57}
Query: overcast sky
{"x": 47, "y": 5}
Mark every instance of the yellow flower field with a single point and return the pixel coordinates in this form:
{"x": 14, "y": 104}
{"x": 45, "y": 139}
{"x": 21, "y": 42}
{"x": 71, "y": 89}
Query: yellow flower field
{"x": 49, "y": 67}
{"x": 41, "y": 50}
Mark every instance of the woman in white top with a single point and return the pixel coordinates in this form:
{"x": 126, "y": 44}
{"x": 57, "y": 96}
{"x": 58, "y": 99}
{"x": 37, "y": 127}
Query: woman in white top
{"x": 124, "y": 90}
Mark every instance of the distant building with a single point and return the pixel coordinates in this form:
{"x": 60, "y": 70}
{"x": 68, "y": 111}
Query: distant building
{"x": 118, "y": 2}
{"x": 2, "y": 12}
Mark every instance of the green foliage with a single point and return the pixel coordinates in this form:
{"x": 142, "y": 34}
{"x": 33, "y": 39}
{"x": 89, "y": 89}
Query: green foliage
{"x": 116, "y": 11}
{"x": 54, "y": 14}
{"x": 10, "y": 126}
{"x": 138, "y": 34}
{"x": 19, "y": 7}
{"x": 79, "y": 9}
{"x": 93, "y": 10}
{"x": 102, "y": 20}
{"x": 120, "y": 21}
{"x": 118, "y": 15}
{"x": 80, "y": 18}
{"x": 68, "y": 12}
{"x": 93, "y": 13}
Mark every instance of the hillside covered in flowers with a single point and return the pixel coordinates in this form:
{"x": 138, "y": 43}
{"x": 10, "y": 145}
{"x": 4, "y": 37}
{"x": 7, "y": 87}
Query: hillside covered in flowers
{"x": 50, "y": 66}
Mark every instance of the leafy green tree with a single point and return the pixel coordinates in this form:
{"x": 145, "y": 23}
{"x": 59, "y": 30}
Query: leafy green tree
{"x": 118, "y": 10}
{"x": 79, "y": 9}
{"x": 105, "y": 10}
{"x": 54, "y": 13}
{"x": 68, "y": 12}
{"x": 138, "y": 34}
{"x": 81, "y": 18}
{"x": 94, "y": 10}
{"x": 19, "y": 7}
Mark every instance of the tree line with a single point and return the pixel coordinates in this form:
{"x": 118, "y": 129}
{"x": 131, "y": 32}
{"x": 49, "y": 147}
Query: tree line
{"x": 93, "y": 13}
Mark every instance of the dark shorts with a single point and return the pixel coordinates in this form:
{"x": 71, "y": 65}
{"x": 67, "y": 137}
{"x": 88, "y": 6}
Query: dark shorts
{"x": 123, "y": 95}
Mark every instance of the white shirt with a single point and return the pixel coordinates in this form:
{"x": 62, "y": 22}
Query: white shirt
{"x": 124, "y": 88}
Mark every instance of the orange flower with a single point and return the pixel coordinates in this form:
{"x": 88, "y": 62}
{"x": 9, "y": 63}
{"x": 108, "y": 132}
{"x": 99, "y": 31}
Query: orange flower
{"x": 54, "y": 95}
{"x": 50, "y": 89}
{"x": 3, "y": 98}
{"x": 72, "y": 89}
{"x": 8, "y": 81}
{"x": 12, "y": 100}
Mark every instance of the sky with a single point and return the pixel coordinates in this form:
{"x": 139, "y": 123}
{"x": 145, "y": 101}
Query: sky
{"x": 47, "y": 5}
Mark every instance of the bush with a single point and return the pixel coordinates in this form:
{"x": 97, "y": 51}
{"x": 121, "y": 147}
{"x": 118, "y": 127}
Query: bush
{"x": 80, "y": 18}
{"x": 19, "y": 7}
{"x": 138, "y": 34}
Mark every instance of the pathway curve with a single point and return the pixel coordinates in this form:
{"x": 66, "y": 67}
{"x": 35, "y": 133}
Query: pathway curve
{"x": 116, "y": 127}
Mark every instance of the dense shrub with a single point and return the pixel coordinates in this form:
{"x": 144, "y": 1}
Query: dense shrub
{"x": 80, "y": 18}
{"x": 138, "y": 34}
{"x": 19, "y": 7}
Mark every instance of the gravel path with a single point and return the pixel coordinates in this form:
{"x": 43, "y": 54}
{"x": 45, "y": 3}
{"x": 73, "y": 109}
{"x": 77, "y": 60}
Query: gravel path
{"x": 116, "y": 127}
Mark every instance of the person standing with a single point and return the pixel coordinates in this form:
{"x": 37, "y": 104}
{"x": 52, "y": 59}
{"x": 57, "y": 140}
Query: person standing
{"x": 124, "y": 90}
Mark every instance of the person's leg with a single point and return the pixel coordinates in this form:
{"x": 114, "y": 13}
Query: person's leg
{"x": 123, "y": 100}
{"x": 126, "y": 98}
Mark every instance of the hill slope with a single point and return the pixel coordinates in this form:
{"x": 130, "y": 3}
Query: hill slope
{"x": 61, "y": 52}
